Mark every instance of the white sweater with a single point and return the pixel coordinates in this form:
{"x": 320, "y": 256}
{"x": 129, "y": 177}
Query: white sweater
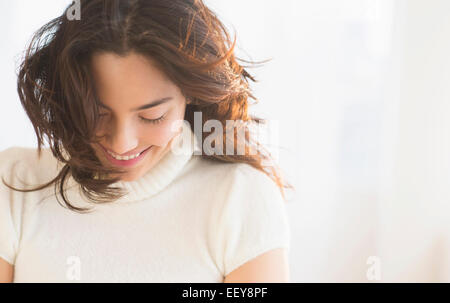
{"x": 186, "y": 220}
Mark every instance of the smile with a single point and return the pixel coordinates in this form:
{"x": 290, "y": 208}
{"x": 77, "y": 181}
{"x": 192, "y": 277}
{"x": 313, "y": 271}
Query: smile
{"x": 123, "y": 157}
{"x": 128, "y": 160}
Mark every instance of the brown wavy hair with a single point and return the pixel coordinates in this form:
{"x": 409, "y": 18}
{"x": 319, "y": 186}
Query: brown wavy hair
{"x": 187, "y": 41}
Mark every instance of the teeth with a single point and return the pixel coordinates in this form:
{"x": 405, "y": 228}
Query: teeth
{"x": 123, "y": 157}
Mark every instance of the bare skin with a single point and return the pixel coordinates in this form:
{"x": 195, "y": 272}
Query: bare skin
{"x": 6, "y": 272}
{"x": 270, "y": 267}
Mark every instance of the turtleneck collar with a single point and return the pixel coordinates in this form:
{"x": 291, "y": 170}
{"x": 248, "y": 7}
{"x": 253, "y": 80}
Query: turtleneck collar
{"x": 165, "y": 170}
{"x": 183, "y": 146}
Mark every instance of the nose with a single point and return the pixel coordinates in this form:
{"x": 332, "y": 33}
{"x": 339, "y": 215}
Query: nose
{"x": 122, "y": 139}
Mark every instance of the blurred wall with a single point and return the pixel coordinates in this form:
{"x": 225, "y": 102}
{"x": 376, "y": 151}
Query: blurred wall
{"x": 359, "y": 91}
{"x": 19, "y": 20}
{"x": 415, "y": 225}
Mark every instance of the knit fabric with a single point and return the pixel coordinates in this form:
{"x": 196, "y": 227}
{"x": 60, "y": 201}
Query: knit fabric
{"x": 188, "y": 219}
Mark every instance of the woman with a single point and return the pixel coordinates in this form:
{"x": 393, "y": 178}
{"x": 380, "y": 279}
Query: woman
{"x": 145, "y": 197}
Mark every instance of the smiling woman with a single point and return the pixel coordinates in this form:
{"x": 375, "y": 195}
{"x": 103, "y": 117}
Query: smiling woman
{"x": 129, "y": 126}
{"x": 109, "y": 93}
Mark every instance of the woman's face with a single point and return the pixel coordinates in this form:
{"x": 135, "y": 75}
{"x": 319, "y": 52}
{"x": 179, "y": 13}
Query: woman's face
{"x": 134, "y": 94}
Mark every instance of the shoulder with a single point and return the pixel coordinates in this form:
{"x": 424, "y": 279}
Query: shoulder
{"x": 20, "y": 167}
{"x": 26, "y": 163}
{"x": 238, "y": 178}
{"x": 247, "y": 210}
{"x": 216, "y": 168}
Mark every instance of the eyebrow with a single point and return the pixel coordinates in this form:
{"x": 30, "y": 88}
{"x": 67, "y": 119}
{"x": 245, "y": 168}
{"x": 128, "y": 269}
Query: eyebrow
{"x": 145, "y": 106}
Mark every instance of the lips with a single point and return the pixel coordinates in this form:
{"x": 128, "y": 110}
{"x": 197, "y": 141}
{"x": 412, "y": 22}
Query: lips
{"x": 129, "y": 162}
{"x": 123, "y": 155}
{"x": 127, "y": 157}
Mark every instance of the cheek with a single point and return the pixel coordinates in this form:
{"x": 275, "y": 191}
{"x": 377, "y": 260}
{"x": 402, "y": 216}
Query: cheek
{"x": 159, "y": 135}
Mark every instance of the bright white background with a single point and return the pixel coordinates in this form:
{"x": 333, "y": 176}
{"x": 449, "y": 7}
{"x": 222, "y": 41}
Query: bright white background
{"x": 360, "y": 91}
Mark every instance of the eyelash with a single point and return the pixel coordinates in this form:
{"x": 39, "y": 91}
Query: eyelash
{"x": 152, "y": 121}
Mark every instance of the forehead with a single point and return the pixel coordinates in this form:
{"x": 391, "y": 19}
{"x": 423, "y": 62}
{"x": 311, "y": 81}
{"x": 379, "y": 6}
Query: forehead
{"x": 128, "y": 81}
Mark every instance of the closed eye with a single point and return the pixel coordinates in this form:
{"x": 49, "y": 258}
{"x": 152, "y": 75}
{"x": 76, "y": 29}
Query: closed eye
{"x": 153, "y": 121}
{"x": 145, "y": 120}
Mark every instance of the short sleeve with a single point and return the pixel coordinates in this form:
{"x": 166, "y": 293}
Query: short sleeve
{"x": 9, "y": 210}
{"x": 255, "y": 218}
